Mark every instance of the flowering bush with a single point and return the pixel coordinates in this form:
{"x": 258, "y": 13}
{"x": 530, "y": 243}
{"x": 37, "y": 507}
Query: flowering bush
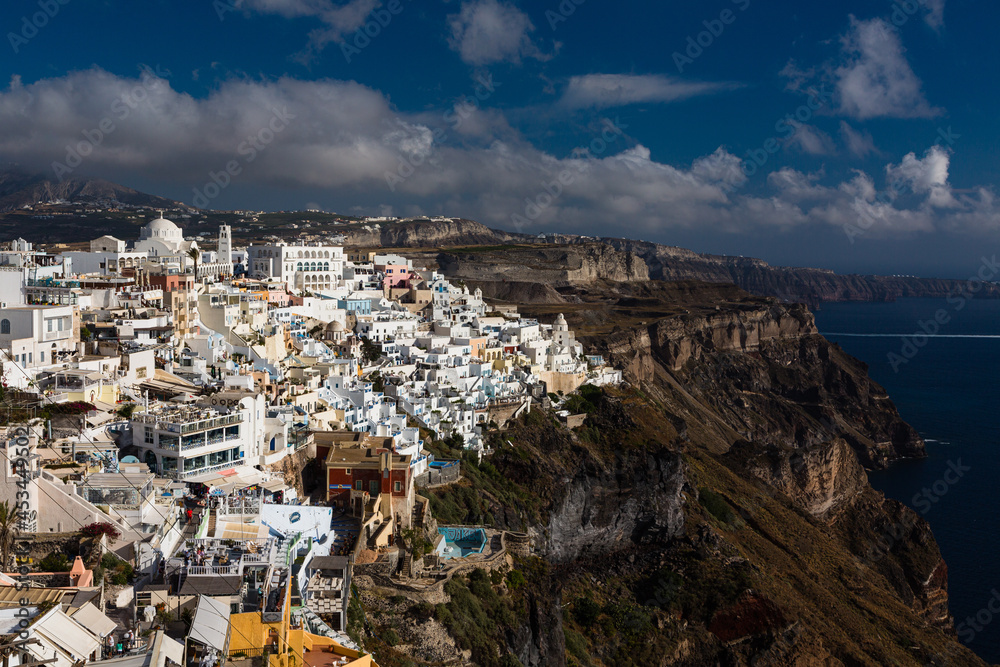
{"x": 101, "y": 528}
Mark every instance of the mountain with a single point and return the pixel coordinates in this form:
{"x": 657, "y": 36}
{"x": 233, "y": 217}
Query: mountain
{"x": 19, "y": 188}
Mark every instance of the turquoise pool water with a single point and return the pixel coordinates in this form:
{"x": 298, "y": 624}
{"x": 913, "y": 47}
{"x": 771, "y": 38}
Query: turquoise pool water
{"x": 461, "y": 542}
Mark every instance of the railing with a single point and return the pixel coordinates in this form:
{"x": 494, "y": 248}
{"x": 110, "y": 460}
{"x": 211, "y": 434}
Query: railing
{"x": 213, "y": 569}
{"x": 202, "y": 471}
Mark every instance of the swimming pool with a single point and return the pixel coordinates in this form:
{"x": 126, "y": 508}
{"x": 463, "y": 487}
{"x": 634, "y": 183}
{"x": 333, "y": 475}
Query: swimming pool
{"x": 461, "y": 542}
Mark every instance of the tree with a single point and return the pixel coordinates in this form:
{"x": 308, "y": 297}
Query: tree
{"x": 126, "y": 411}
{"x": 195, "y": 255}
{"x": 9, "y": 530}
{"x": 370, "y": 351}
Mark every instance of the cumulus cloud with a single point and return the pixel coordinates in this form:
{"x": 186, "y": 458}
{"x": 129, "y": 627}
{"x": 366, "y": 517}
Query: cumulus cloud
{"x": 927, "y": 176}
{"x": 614, "y": 90}
{"x": 876, "y": 81}
{"x": 490, "y": 31}
{"x": 345, "y": 140}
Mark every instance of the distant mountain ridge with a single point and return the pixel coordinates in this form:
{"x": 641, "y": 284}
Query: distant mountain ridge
{"x": 668, "y": 263}
{"x": 19, "y": 189}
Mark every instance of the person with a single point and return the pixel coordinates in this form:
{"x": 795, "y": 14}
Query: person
{"x": 189, "y": 514}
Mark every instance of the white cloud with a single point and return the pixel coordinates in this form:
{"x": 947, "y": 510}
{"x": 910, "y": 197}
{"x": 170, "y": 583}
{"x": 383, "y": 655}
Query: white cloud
{"x": 859, "y": 142}
{"x": 339, "y": 18}
{"x": 927, "y": 176}
{"x": 489, "y": 31}
{"x": 346, "y": 140}
{"x": 876, "y": 81}
{"x": 612, "y": 90}
{"x": 810, "y": 140}
{"x": 935, "y": 13}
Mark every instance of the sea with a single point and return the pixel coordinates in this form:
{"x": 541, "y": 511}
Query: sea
{"x": 939, "y": 360}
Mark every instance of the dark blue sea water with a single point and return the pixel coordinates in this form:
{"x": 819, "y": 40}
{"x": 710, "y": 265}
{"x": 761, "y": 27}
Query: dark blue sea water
{"x": 947, "y": 388}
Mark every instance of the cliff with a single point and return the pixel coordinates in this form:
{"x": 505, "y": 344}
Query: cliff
{"x": 423, "y": 234}
{"x": 714, "y": 511}
{"x": 756, "y": 276}
{"x": 544, "y": 265}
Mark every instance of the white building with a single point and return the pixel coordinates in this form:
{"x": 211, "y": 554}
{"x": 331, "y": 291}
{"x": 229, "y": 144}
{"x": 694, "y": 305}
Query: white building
{"x": 303, "y": 267}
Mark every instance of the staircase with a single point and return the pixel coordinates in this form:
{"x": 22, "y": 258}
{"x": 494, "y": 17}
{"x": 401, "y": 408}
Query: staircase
{"x": 408, "y": 565}
{"x": 211, "y": 522}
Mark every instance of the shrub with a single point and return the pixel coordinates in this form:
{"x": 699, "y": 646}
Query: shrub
{"x": 101, "y": 528}
{"x": 55, "y": 562}
{"x": 422, "y": 610}
{"x": 515, "y": 579}
{"x": 716, "y": 505}
{"x": 110, "y": 561}
{"x": 390, "y": 637}
{"x": 586, "y": 611}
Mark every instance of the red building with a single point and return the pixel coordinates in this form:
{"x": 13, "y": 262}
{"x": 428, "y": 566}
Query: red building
{"x": 351, "y": 473}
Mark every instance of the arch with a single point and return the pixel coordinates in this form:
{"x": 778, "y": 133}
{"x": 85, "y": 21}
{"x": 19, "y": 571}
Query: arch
{"x": 298, "y": 267}
{"x": 150, "y": 460}
{"x": 299, "y": 255}
{"x": 326, "y": 266}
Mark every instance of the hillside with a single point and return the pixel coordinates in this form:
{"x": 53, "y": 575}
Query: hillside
{"x": 713, "y": 511}
{"x": 18, "y": 188}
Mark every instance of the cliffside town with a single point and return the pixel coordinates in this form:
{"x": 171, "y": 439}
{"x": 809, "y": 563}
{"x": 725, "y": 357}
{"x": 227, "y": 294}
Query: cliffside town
{"x": 299, "y": 452}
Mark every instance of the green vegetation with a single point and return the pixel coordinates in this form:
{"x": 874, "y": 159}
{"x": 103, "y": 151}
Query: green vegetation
{"x": 120, "y": 573}
{"x": 55, "y": 562}
{"x": 716, "y": 505}
{"x": 355, "y": 617}
{"x": 476, "y": 617}
{"x": 587, "y": 399}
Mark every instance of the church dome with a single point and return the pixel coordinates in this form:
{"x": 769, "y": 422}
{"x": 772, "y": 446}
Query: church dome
{"x": 161, "y": 228}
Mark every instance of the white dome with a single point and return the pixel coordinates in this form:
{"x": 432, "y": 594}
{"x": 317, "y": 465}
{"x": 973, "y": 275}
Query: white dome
{"x": 161, "y": 228}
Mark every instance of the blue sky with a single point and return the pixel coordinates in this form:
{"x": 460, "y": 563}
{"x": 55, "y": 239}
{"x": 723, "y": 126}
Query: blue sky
{"x": 856, "y": 136}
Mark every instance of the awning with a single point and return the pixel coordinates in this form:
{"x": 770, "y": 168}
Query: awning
{"x": 96, "y": 622}
{"x": 100, "y": 418}
{"x": 275, "y": 485}
{"x": 210, "y": 625}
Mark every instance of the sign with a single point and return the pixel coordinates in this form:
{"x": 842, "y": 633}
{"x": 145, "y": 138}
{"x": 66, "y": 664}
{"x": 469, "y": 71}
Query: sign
{"x": 294, "y": 517}
{"x": 345, "y": 487}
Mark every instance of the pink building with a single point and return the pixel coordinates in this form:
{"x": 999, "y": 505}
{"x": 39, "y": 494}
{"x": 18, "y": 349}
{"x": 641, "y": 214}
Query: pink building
{"x": 396, "y": 275}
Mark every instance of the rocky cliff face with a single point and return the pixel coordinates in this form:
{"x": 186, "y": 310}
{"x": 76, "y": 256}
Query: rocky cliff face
{"x": 773, "y": 380}
{"x": 638, "y": 500}
{"x": 424, "y": 234}
{"x": 807, "y": 285}
{"x": 551, "y": 266}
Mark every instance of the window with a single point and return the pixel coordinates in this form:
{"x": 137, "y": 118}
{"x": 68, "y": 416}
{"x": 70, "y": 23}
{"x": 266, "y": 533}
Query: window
{"x": 373, "y": 487}
{"x": 48, "y": 324}
{"x": 4, "y": 326}
{"x": 41, "y": 357}
{"x": 359, "y": 485}
{"x": 149, "y": 436}
{"x": 347, "y": 471}
{"x": 397, "y": 487}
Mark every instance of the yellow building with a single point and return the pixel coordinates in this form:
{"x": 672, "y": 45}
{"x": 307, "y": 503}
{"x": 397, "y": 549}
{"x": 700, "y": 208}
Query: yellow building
{"x": 288, "y": 645}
